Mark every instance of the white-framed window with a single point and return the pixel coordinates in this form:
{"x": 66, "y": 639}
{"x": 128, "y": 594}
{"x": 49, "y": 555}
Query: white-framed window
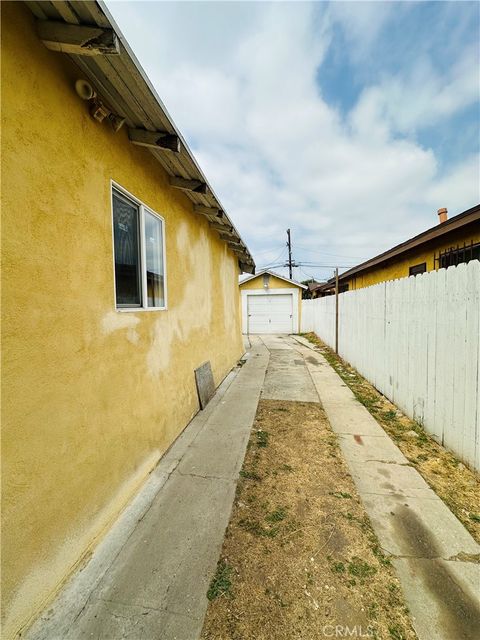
{"x": 139, "y": 254}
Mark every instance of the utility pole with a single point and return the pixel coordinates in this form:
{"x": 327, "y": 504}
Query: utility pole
{"x": 289, "y": 245}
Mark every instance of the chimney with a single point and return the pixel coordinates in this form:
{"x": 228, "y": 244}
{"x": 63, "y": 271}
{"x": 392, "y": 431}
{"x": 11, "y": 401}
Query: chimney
{"x": 442, "y": 215}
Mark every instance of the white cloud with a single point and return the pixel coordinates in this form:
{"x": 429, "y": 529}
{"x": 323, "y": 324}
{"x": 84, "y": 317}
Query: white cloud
{"x": 457, "y": 187}
{"x": 362, "y": 22}
{"x": 403, "y": 103}
{"x": 241, "y": 82}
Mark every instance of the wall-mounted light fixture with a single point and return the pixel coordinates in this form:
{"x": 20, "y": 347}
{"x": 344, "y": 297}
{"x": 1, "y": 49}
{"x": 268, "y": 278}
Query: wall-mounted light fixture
{"x": 85, "y": 90}
{"x": 97, "y": 109}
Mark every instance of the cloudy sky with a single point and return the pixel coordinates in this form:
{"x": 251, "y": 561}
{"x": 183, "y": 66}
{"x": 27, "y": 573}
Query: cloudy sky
{"x": 349, "y": 122}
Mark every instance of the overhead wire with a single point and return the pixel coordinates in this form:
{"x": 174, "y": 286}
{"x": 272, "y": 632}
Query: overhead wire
{"x": 270, "y": 264}
{"x": 327, "y": 266}
{"x": 275, "y": 248}
{"x": 325, "y": 253}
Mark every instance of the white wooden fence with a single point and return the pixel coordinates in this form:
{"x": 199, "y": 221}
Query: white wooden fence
{"x": 417, "y": 341}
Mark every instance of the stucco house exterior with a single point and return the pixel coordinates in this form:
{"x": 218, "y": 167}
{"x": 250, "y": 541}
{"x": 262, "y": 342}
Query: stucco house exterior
{"x": 270, "y": 303}
{"x": 120, "y": 278}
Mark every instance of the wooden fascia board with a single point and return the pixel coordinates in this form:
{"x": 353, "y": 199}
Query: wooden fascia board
{"x": 245, "y": 267}
{"x": 77, "y": 39}
{"x": 214, "y": 212}
{"x": 225, "y": 228}
{"x": 156, "y": 139}
{"x": 186, "y": 184}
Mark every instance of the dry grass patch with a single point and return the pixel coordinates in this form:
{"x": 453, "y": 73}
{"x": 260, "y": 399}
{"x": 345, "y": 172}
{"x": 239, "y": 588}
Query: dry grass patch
{"x": 457, "y": 485}
{"x": 299, "y": 553}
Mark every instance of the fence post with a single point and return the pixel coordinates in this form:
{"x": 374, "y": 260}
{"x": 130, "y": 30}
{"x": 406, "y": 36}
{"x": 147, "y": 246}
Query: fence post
{"x": 336, "y": 310}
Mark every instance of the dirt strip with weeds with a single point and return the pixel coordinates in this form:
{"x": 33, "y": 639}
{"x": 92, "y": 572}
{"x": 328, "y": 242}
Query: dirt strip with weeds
{"x": 300, "y": 559}
{"x": 457, "y": 485}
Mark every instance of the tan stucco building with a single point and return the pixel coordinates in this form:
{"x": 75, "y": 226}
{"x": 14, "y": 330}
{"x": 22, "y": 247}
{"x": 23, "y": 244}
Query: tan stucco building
{"x": 120, "y": 277}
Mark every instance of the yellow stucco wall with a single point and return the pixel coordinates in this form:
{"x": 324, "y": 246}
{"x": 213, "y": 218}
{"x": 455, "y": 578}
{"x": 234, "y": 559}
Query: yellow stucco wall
{"x": 274, "y": 283}
{"x": 92, "y": 397}
{"x": 399, "y": 267}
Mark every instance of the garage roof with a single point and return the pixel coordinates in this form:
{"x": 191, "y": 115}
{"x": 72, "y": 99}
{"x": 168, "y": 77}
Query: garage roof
{"x": 276, "y": 275}
{"x": 106, "y": 59}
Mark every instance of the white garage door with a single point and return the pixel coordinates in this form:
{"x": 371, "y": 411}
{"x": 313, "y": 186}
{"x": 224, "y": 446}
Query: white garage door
{"x": 270, "y": 313}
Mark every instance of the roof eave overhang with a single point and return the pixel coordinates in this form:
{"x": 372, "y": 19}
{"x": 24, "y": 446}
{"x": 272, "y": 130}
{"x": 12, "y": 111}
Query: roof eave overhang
{"x": 122, "y": 84}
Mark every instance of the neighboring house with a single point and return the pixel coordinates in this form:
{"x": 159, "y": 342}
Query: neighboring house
{"x": 120, "y": 277}
{"x": 311, "y": 285}
{"x": 449, "y": 243}
{"x": 270, "y": 303}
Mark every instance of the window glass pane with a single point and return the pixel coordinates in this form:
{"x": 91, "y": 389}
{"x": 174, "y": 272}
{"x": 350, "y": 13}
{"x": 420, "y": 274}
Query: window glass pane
{"x": 418, "y": 268}
{"x": 154, "y": 260}
{"x": 127, "y": 255}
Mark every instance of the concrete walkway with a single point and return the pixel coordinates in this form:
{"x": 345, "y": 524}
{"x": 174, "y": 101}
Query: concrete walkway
{"x": 287, "y": 377}
{"x": 149, "y": 577}
{"x": 435, "y": 557}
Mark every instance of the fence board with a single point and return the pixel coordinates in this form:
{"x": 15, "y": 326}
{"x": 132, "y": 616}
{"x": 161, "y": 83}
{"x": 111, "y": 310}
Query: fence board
{"x": 471, "y": 431}
{"x": 417, "y": 340}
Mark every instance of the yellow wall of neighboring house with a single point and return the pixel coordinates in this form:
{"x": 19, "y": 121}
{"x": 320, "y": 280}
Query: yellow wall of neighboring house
{"x": 399, "y": 266}
{"x": 92, "y": 397}
{"x": 274, "y": 283}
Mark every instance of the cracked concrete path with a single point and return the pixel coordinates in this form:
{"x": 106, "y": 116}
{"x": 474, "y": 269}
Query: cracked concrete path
{"x": 287, "y": 377}
{"x": 149, "y": 577}
{"x": 436, "y": 559}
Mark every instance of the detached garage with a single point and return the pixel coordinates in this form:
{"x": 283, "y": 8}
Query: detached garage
{"x": 270, "y": 303}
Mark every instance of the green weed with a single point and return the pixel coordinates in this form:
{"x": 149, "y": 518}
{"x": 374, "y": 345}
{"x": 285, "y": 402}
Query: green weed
{"x": 396, "y": 632}
{"x": 361, "y": 569}
{"x": 249, "y": 475}
{"x": 277, "y": 516}
{"x": 221, "y": 583}
{"x": 256, "y": 529}
{"x": 388, "y": 415}
{"x": 262, "y": 438}
{"x": 382, "y": 558}
{"x": 338, "y": 567}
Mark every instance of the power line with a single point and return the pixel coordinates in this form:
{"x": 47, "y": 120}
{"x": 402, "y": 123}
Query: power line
{"x": 269, "y": 264}
{"x": 324, "y": 253}
{"x": 258, "y": 253}
{"x": 327, "y": 266}
{"x": 291, "y": 263}
{"x": 309, "y": 275}
{"x": 274, "y": 266}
